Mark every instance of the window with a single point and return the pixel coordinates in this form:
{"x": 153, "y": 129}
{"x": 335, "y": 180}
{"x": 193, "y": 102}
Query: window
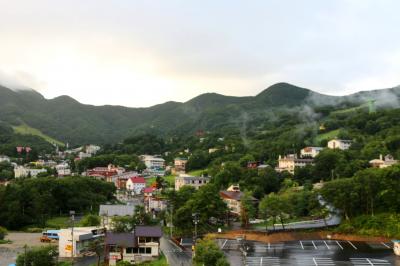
{"x": 148, "y": 239}
{"x": 148, "y": 250}
{"x": 142, "y": 250}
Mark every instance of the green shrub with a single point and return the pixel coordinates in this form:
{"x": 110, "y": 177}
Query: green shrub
{"x": 90, "y": 220}
{"x": 3, "y": 233}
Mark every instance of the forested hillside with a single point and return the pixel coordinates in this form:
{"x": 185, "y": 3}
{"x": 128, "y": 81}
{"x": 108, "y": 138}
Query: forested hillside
{"x": 66, "y": 120}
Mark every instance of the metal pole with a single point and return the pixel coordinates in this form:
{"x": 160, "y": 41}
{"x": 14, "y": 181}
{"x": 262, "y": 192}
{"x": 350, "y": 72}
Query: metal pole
{"x": 72, "y": 213}
{"x": 171, "y": 224}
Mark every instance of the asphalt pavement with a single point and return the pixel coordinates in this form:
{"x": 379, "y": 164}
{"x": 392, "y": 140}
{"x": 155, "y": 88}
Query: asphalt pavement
{"x": 175, "y": 255}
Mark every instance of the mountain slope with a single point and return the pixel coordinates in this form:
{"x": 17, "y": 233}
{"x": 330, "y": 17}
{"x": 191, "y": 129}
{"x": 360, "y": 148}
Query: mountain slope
{"x": 69, "y": 121}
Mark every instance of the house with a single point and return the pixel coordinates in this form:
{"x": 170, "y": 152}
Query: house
{"x": 121, "y": 179}
{"x": 290, "y": 162}
{"x": 136, "y": 184}
{"x": 383, "y": 162}
{"x": 340, "y": 144}
{"x": 63, "y": 169}
{"x": 77, "y": 241}
{"x": 22, "y": 171}
{"x": 253, "y": 164}
{"x": 4, "y": 158}
{"x": 310, "y": 152}
{"x": 193, "y": 181}
{"x": 153, "y": 203}
{"x": 83, "y": 155}
{"x": 108, "y": 212}
{"x": 232, "y": 197}
{"x": 180, "y": 164}
{"x": 153, "y": 162}
{"x": 143, "y": 244}
{"x": 212, "y": 150}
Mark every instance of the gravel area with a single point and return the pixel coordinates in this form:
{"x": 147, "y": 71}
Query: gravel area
{"x": 9, "y": 252}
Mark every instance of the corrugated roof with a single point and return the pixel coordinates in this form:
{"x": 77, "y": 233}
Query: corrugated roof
{"x": 116, "y": 210}
{"x": 148, "y": 231}
{"x": 121, "y": 239}
{"x": 137, "y": 180}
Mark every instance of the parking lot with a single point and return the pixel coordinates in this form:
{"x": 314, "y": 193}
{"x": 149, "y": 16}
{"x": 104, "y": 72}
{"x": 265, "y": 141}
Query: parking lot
{"x": 309, "y": 253}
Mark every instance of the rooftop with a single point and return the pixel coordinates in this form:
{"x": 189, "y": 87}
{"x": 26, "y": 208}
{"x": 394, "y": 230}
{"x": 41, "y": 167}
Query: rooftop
{"x": 116, "y": 210}
{"x": 148, "y": 231}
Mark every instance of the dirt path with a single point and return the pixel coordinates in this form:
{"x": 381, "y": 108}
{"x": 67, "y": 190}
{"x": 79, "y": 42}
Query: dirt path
{"x": 290, "y": 236}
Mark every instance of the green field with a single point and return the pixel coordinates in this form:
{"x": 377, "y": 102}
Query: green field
{"x": 328, "y": 135}
{"x": 169, "y": 178}
{"x": 24, "y": 129}
{"x": 196, "y": 172}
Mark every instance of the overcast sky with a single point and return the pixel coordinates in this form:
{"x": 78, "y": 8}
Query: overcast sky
{"x": 141, "y": 53}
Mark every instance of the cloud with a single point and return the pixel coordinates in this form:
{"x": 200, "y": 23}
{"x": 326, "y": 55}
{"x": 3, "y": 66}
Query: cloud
{"x": 20, "y": 80}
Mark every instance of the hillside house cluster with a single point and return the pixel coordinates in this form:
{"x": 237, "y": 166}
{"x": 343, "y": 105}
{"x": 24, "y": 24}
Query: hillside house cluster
{"x": 232, "y": 197}
{"x": 387, "y": 161}
{"x": 290, "y": 162}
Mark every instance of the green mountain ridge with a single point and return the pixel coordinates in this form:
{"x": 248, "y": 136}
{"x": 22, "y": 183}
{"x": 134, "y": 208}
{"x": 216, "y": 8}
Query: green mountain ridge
{"x": 65, "y": 119}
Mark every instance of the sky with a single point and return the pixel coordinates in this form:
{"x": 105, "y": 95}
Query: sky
{"x": 141, "y": 53}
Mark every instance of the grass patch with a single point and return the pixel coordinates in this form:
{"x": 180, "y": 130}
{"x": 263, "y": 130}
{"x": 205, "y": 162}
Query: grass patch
{"x": 328, "y": 135}
{"x": 196, "y": 172}
{"x": 24, "y": 129}
{"x": 5, "y": 241}
{"x": 170, "y": 179}
{"x": 58, "y": 222}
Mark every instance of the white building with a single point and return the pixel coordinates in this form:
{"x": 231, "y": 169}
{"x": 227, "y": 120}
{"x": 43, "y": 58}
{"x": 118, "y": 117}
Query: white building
{"x": 290, "y": 162}
{"x": 92, "y": 149}
{"x": 153, "y": 162}
{"x": 21, "y": 171}
{"x": 63, "y": 169}
{"x": 193, "y": 181}
{"x": 79, "y": 242}
{"x": 4, "y": 158}
{"x": 83, "y": 155}
{"x": 310, "y": 152}
{"x": 383, "y": 162}
{"x": 136, "y": 185}
{"x": 340, "y": 144}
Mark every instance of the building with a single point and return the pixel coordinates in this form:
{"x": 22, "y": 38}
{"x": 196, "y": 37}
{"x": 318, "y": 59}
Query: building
{"x": 290, "y": 162}
{"x": 4, "y": 158}
{"x": 193, "y": 181}
{"x": 108, "y": 212}
{"x": 340, "y": 144}
{"x": 78, "y": 243}
{"x": 212, "y": 150}
{"x": 142, "y": 244}
{"x": 383, "y": 162}
{"x": 180, "y": 164}
{"x": 153, "y": 203}
{"x": 232, "y": 197}
{"x": 22, "y": 171}
{"x": 83, "y": 155}
{"x": 105, "y": 172}
{"x": 63, "y": 169}
{"x": 136, "y": 184}
{"x": 310, "y": 152}
{"x": 121, "y": 179}
{"x": 153, "y": 162}
{"x": 92, "y": 149}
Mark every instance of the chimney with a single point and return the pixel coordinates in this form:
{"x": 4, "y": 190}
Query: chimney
{"x": 380, "y": 157}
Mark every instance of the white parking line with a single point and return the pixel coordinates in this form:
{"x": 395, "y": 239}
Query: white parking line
{"x": 301, "y": 243}
{"x": 337, "y": 242}
{"x": 269, "y": 245}
{"x": 261, "y": 261}
{"x": 326, "y": 245}
{"x": 368, "y": 261}
{"x": 314, "y": 245}
{"x": 386, "y": 245}
{"x": 352, "y": 244}
{"x": 315, "y": 262}
{"x": 223, "y": 245}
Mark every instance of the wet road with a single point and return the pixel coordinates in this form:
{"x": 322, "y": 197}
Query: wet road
{"x": 310, "y": 253}
{"x": 175, "y": 256}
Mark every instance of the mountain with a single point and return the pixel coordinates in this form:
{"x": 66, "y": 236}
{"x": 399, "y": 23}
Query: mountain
{"x": 65, "y": 119}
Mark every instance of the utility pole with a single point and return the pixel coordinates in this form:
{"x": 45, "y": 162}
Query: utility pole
{"x": 72, "y": 213}
{"x": 171, "y": 224}
{"x": 195, "y": 220}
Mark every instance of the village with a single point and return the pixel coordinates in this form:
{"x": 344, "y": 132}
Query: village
{"x": 141, "y": 191}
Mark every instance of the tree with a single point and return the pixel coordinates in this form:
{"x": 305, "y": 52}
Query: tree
{"x": 3, "y": 233}
{"x": 97, "y": 247}
{"x": 247, "y": 209}
{"x": 208, "y": 253}
{"x": 269, "y": 208}
{"x": 43, "y": 256}
{"x": 90, "y": 220}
